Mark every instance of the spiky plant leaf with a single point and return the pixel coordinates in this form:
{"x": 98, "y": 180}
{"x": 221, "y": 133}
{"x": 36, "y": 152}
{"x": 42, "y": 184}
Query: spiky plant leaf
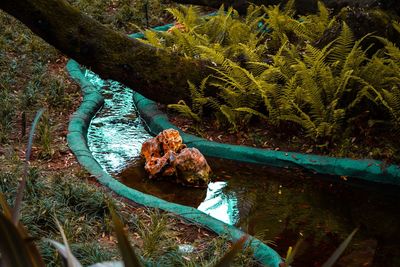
{"x": 292, "y": 252}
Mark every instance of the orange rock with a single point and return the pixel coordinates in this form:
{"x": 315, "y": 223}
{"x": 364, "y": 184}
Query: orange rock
{"x": 166, "y": 155}
{"x": 150, "y": 149}
{"x": 170, "y": 139}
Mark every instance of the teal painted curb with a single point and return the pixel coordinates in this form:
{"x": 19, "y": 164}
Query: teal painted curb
{"x": 366, "y": 169}
{"x": 77, "y": 141}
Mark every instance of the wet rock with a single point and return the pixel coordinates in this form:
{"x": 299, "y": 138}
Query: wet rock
{"x": 167, "y": 156}
{"x": 191, "y": 165}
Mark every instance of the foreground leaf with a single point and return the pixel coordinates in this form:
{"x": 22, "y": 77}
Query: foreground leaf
{"x": 15, "y": 250}
{"x": 128, "y": 254}
{"x": 71, "y": 260}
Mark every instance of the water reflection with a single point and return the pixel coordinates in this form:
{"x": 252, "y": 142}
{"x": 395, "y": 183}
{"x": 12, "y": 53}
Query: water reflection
{"x": 219, "y": 205}
{"x": 115, "y": 136}
{"x": 116, "y": 133}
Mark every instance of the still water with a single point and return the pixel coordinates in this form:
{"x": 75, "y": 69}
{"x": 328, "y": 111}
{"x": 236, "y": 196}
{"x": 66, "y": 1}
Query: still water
{"x": 276, "y": 205}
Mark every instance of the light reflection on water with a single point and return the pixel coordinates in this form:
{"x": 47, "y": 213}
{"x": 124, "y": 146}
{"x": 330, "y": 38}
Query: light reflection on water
{"x": 115, "y": 137}
{"x": 115, "y": 134}
{"x": 220, "y": 206}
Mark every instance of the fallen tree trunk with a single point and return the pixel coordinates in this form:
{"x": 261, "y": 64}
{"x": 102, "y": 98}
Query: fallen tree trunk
{"x": 155, "y": 73}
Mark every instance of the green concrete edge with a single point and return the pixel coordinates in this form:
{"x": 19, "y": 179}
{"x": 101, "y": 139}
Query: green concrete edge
{"x": 366, "y": 169}
{"x": 77, "y": 141}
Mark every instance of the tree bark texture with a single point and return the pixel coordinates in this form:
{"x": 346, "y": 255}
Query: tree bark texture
{"x": 155, "y": 73}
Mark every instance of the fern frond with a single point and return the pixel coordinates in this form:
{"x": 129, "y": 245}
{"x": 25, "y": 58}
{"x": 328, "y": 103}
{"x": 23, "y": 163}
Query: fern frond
{"x": 212, "y": 54}
{"x": 152, "y": 38}
{"x": 188, "y": 16}
{"x": 290, "y": 8}
{"x": 343, "y": 44}
{"x": 392, "y": 50}
{"x": 182, "y": 108}
{"x": 252, "y": 112}
{"x": 229, "y": 115}
{"x": 392, "y": 98}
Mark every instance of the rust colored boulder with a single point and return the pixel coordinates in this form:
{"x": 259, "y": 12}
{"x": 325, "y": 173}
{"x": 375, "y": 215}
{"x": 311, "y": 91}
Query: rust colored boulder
{"x": 192, "y": 166}
{"x": 167, "y": 156}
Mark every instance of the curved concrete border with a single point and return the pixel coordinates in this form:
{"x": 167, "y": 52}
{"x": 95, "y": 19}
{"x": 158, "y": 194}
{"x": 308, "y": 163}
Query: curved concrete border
{"x": 77, "y": 141}
{"x": 366, "y": 169}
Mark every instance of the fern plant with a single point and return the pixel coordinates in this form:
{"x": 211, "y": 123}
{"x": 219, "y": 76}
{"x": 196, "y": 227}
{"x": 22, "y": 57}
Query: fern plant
{"x": 267, "y": 66}
{"x": 199, "y": 101}
{"x": 383, "y": 74}
{"x": 225, "y": 32}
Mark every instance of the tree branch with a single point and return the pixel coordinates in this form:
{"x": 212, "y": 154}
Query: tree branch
{"x": 153, "y": 72}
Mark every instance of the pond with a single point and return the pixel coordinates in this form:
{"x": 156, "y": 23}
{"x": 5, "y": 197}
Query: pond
{"x": 274, "y": 204}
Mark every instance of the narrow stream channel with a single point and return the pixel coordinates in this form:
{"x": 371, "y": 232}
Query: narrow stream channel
{"x": 276, "y": 205}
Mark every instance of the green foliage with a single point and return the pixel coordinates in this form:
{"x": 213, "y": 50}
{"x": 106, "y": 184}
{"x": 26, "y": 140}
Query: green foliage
{"x": 269, "y": 66}
{"x": 199, "y": 102}
{"x": 156, "y": 235}
{"x": 224, "y": 34}
{"x": 45, "y": 137}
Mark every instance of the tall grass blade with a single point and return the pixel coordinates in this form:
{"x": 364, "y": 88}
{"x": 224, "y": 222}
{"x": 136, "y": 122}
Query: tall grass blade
{"x": 335, "y": 256}
{"x": 227, "y": 259}
{"x": 65, "y": 250}
{"x": 22, "y": 184}
{"x": 128, "y": 254}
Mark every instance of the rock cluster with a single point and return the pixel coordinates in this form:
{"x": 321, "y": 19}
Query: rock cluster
{"x": 167, "y": 156}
